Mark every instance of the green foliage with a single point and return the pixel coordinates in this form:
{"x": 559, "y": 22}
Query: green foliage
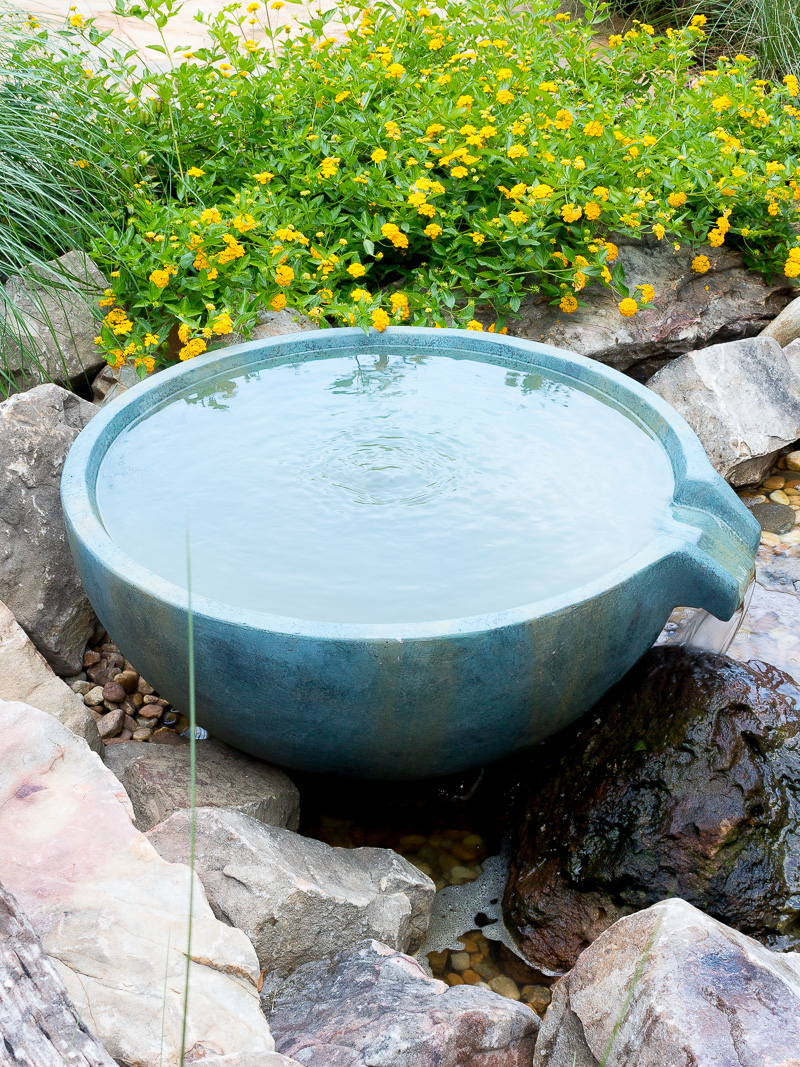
{"x": 49, "y": 194}
{"x": 419, "y": 165}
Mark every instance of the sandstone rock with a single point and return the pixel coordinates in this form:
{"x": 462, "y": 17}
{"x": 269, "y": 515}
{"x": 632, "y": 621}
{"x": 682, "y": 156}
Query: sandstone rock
{"x": 112, "y": 914}
{"x": 276, "y": 323}
{"x": 25, "y": 676}
{"x": 38, "y": 580}
{"x": 298, "y": 899}
{"x": 112, "y": 382}
{"x": 671, "y": 986}
{"x": 373, "y": 1007}
{"x": 741, "y": 399}
{"x": 689, "y": 311}
{"x": 58, "y": 322}
{"x": 785, "y": 327}
{"x": 682, "y": 781}
{"x": 792, "y": 353}
{"x": 157, "y": 782}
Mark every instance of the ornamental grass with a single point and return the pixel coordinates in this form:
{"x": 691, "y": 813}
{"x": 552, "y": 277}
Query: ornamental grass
{"x": 416, "y": 165}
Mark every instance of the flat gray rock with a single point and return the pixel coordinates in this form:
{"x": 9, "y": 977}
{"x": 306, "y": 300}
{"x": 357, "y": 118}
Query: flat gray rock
{"x": 156, "y": 779}
{"x": 26, "y": 676}
{"x": 742, "y": 399}
{"x": 58, "y": 320}
{"x": 671, "y": 986}
{"x": 38, "y": 579}
{"x": 298, "y": 899}
{"x": 774, "y": 518}
{"x": 785, "y": 327}
{"x": 689, "y": 310}
{"x": 372, "y": 1007}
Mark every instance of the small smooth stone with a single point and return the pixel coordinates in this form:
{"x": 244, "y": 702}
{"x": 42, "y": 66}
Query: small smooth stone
{"x": 151, "y": 711}
{"x": 137, "y": 700}
{"x": 82, "y": 687}
{"x": 538, "y": 996}
{"x": 111, "y": 724}
{"x": 774, "y": 518}
{"x": 486, "y": 969}
{"x": 470, "y": 977}
{"x": 454, "y": 979}
{"x": 770, "y": 539}
{"x": 128, "y": 680}
{"x": 127, "y": 735}
{"x": 94, "y": 698}
{"x": 143, "y": 687}
{"x": 164, "y": 736}
{"x": 438, "y": 960}
{"x": 792, "y": 461}
{"x": 141, "y": 734}
{"x": 779, "y": 497}
{"x": 750, "y": 501}
{"x": 130, "y": 724}
{"x": 473, "y": 841}
{"x": 792, "y": 537}
{"x": 775, "y": 481}
{"x": 72, "y": 678}
{"x": 109, "y": 705}
{"x": 91, "y": 658}
{"x": 412, "y": 842}
{"x": 505, "y": 986}
{"x": 114, "y": 692}
{"x": 459, "y": 961}
{"x": 462, "y": 872}
{"x": 470, "y": 944}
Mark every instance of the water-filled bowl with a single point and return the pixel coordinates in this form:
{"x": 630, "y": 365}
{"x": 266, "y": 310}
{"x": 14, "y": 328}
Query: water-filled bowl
{"x": 423, "y": 563}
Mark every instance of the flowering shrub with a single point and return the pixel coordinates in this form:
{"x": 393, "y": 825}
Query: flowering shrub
{"x": 420, "y": 166}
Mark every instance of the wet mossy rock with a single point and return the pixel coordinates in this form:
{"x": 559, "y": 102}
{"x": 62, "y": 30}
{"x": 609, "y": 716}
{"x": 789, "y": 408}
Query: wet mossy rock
{"x": 683, "y": 781}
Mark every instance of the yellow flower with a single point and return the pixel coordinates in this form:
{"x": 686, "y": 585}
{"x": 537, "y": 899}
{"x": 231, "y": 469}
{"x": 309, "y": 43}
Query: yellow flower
{"x": 517, "y": 151}
{"x": 77, "y": 21}
{"x": 571, "y": 212}
{"x": 700, "y": 264}
{"x": 427, "y": 210}
{"x": 222, "y": 324}
{"x": 149, "y": 364}
{"x": 563, "y": 119}
{"x": 792, "y": 267}
{"x": 399, "y": 302}
{"x": 611, "y": 251}
{"x": 243, "y": 223}
{"x": 676, "y": 199}
{"x": 593, "y": 129}
{"x": 568, "y": 303}
{"x": 278, "y": 302}
{"x": 212, "y": 274}
{"x": 504, "y": 96}
{"x": 194, "y": 348}
{"x": 184, "y": 332}
{"x": 592, "y": 210}
{"x": 357, "y": 270}
{"x": 395, "y": 70}
{"x": 541, "y": 191}
{"x": 195, "y": 172}
{"x": 790, "y": 81}
{"x": 615, "y": 40}
{"x": 605, "y": 274}
{"x": 210, "y": 215}
{"x": 721, "y": 103}
{"x": 284, "y": 275}
{"x": 659, "y": 231}
{"x": 436, "y": 43}
{"x": 361, "y": 294}
{"x": 628, "y": 307}
{"x": 647, "y": 291}
{"x": 459, "y": 172}
{"x": 432, "y": 230}
{"x": 159, "y": 278}
{"x": 698, "y": 20}
{"x": 341, "y": 96}
{"x": 473, "y": 324}
{"x": 380, "y": 320}
{"x": 548, "y": 87}
{"x": 379, "y": 155}
{"x": 517, "y": 217}
{"x": 715, "y": 238}
{"x": 478, "y": 238}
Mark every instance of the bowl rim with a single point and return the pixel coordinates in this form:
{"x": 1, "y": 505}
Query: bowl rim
{"x": 690, "y": 466}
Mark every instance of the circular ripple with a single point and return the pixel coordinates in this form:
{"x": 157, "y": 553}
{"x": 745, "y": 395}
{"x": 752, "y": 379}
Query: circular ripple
{"x": 399, "y": 466}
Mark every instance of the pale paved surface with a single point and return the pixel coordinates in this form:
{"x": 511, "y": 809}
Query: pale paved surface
{"x": 182, "y": 31}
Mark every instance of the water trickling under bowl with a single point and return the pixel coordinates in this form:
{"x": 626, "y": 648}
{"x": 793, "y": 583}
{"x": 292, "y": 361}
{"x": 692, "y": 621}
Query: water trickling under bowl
{"x": 385, "y": 488}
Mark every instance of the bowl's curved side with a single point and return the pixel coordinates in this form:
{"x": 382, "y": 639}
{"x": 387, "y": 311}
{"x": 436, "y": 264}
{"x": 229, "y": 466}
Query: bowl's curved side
{"x": 380, "y": 708}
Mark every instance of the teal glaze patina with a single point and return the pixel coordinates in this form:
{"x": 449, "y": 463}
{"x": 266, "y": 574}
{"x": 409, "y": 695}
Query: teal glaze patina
{"x": 407, "y": 699}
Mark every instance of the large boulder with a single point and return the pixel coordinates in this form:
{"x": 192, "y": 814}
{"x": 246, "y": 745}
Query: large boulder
{"x": 742, "y": 400}
{"x": 785, "y": 327}
{"x": 682, "y": 781}
{"x": 156, "y": 779}
{"x": 25, "y": 676}
{"x": 689, "y": 310}
{"x": 671, "y": 986}
{"x": 372, "y": 1007}
{"x": 298, "y": 899}
{"x": 38, "y": 579}
{"x": 113, "y": 914}
{"x": 55, "y": 319}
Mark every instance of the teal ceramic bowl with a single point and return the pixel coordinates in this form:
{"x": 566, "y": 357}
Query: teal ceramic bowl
{"x": 411, "y": 700}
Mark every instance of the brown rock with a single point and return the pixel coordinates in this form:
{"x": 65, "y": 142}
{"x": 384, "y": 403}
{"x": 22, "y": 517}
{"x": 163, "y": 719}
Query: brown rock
{"x": 143, "y": 687}
{"x": 113, "y": 692}
{"x": 682, "y": 781}
{"x": 90, "y": 658}
{"x": 128, "y": 680}
{"x": 150, "y": 711}
{"x": 111, "y": 724}
{"x": 164, "y": 736}
{"x": 670, "y": 986}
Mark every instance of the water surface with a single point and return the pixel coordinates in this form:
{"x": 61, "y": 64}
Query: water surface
{"x": 385, "y": 488}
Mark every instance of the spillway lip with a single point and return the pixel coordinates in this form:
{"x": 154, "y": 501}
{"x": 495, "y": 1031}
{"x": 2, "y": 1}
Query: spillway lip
{"x": 697, "y": 485}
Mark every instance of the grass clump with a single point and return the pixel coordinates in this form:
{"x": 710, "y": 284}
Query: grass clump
{"x": 419, "y": 165}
